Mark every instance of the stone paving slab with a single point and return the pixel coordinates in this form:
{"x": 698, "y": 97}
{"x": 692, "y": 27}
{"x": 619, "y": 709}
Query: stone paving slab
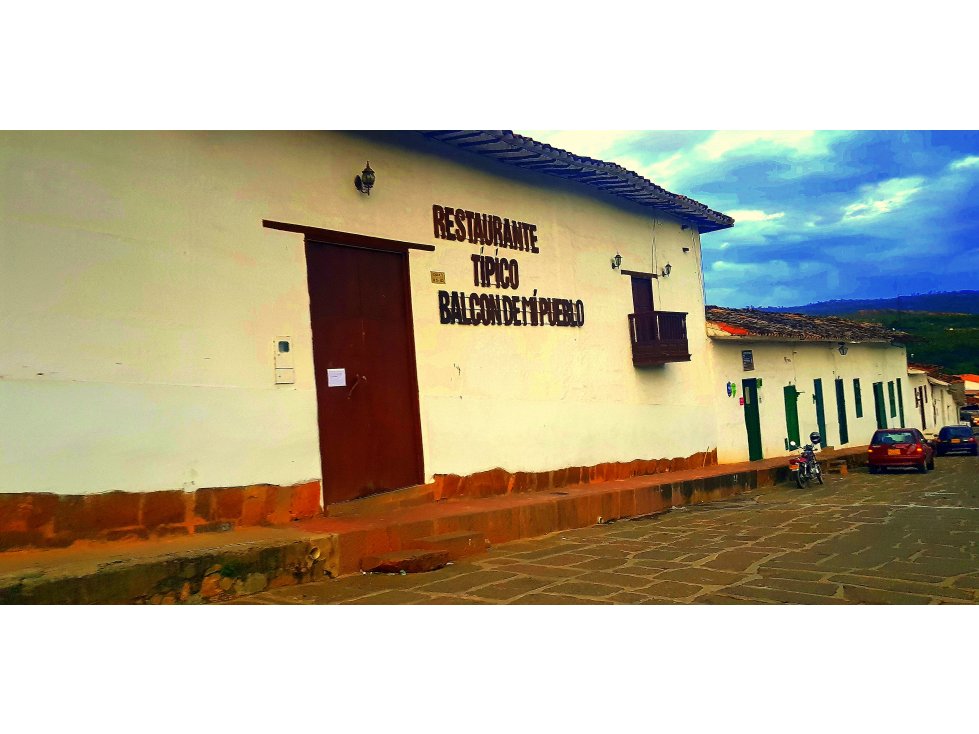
{"x": 882, "y": 539}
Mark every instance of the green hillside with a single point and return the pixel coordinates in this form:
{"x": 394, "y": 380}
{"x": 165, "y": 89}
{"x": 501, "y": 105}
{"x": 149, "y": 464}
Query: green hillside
{"x": 944, "y": 302}
{"x": 947, "y": 339}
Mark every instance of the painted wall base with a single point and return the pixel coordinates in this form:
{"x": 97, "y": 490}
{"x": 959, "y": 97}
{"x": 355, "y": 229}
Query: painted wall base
{"x": 42, "y": 520}
{"x": 499, "y": 481}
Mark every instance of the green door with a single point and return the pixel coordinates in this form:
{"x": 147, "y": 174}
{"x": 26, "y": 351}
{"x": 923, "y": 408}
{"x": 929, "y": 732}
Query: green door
{"x": 817, "y": 391}
{"x": 791, "y": 396}
{"x": 841, "y": 412}
{"x": 900, "y": 401}
{"x": 752, "y": 422}
{"x": 879, "y": 408}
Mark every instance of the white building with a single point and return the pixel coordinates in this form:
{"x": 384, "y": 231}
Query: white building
{"x": 779, "y": 377}
{"x": 232, "y": 312}
{"x": 934, "y": 398}
{"x": 215, "y": 327}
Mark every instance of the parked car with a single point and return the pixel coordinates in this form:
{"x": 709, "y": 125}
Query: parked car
{"x": 900, "y": 447}
{"x": 970, "y": 415}
{"x": 955, "y": 439}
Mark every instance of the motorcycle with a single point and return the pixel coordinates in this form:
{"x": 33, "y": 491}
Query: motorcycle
{"x": 804, "y": 466}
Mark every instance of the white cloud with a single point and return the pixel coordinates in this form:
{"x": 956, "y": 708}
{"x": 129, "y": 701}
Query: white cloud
{"x": 753, "y": 215}
{"x": 663, "y": 170}
{"x": 882, "y": 198}
{"x": 686, "y": 162}
{"x": 699, "y": 163}
{"x": 971, "y": 161}
{"x": 726, "y": 142}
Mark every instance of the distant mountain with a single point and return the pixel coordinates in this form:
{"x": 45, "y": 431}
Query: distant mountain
{"x": 951, "y": 302}
{"x": 950, "y": 340}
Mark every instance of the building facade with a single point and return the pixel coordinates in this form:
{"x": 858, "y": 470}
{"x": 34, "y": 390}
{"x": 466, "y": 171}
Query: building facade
{"x": 204, "y": 328}
{"x": 191, "y": 311}
{"x": 970, "y": 387}
{"x": 779, "y": 377}
{"x": 934, "y": 400}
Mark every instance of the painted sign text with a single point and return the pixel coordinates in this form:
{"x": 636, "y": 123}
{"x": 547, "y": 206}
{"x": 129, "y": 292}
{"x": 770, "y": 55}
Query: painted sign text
{"x": 494, "y": 310}
{"x": 483, "y": 229}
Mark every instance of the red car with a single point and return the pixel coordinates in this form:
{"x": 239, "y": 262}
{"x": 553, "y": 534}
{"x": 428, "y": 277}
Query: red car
{"x": 900, "y": 447}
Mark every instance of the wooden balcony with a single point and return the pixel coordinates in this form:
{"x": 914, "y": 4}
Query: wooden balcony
{"x": 658, "y": 337}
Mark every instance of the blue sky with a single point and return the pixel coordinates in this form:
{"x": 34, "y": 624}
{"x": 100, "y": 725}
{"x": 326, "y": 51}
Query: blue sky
{"x": 820, "y": 214}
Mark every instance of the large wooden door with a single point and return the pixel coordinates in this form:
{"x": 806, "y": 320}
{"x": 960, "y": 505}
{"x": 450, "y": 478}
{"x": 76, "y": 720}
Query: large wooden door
{"x": 366, "y": 384}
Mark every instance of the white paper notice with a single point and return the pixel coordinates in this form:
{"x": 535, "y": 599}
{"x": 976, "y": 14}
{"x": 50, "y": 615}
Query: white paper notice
{"x": 336, "y": 378}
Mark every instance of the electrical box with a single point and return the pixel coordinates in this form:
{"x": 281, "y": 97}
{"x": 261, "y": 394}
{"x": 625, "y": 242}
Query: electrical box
{"x": 285, "y": 372}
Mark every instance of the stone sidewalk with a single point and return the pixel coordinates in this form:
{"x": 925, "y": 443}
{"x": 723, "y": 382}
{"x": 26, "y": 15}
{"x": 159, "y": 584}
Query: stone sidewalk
{"x": 897, "y": 538}
{"x": 214, "y": 567}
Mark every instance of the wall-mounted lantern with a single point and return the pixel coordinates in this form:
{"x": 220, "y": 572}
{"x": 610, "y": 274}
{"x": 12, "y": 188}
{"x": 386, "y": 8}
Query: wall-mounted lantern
{"x": 365, "y": 181}
{"x": 843, "y": 349}
{"x": 616, "y": 261}
{"x": 666, "y": 270}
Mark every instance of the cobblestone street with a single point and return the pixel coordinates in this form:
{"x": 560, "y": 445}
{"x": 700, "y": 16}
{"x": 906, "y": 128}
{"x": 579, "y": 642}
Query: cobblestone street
{"x": 897, "y": 538}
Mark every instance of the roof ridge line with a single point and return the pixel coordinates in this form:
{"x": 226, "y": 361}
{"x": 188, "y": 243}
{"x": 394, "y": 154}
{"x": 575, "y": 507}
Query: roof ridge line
{"x": 564, "y": 164}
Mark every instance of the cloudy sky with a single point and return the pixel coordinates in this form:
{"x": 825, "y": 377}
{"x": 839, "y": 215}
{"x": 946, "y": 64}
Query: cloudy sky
{"x": 819, "y": 214}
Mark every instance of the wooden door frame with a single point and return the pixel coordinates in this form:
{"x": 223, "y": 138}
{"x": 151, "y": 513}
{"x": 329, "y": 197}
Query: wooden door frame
{"x": 333, "y": 238}
{"x": 349, "y": 239}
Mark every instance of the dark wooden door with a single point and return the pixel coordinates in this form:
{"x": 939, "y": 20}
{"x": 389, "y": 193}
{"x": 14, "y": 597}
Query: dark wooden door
{"x": 900, "y": 403}
{"x": 791, "y": 398}
{"x": 879, "y": 407}
{"x": 841, "y": 412}
{"x": 817, "y": 391}
{"x": 752, "y": 422}
{"x": 360, "y": 312}
{"x": 645, "y": 324}
{"x": 920, "y": 400}
{"x": 642, "y": 295}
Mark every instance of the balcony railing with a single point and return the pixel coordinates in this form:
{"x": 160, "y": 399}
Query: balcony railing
{"x": 658, "y": 337}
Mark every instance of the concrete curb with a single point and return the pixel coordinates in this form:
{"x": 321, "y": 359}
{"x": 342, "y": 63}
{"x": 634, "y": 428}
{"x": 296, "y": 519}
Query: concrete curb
{"x": 180, "y": 576}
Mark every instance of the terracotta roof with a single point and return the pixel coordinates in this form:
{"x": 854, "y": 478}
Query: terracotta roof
{"x": 748, "y": 323}
{"x": 512, "y": 149}
{"x": 934, "y": 370}
{"x": 969, "y": 378}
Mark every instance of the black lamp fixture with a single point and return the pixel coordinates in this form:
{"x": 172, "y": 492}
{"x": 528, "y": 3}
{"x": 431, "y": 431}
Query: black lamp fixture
{"x": 667, "y": 269}
{"x": 843, "y": 349}
{"x": 616, "y": 261}
{"x": 365, "y": 181}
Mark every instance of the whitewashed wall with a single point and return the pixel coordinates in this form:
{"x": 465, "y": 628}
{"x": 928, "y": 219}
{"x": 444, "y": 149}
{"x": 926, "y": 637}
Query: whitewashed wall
{"x": 943, "y": 406}
{"x": 783, "y": 363}
{"x": 140, "y": 297}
